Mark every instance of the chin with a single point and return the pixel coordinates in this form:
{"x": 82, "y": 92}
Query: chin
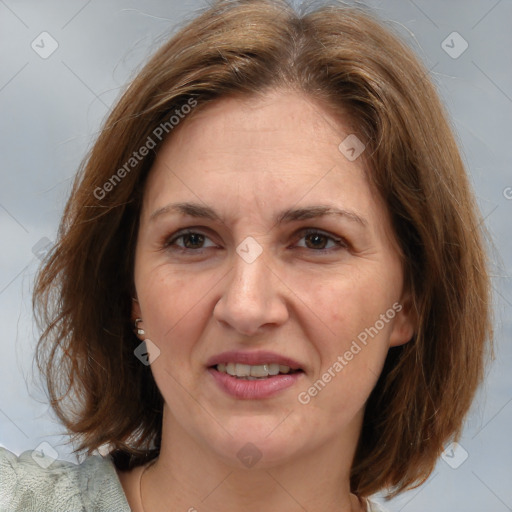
{"x": 257, "y": 443}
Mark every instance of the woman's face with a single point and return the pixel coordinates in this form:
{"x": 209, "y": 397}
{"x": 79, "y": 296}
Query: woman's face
{"x": 321, "y": 293}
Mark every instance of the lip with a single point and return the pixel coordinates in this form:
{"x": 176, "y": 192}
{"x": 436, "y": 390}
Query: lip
{"x": 253, "y": 358}
{"x": 253, "y": 389}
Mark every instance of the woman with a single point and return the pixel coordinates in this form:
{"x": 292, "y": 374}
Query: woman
{"x": 269, "y": 281}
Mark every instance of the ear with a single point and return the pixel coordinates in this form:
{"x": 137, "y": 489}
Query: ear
{"x": 405, "y": 321}
{"x": 136, "y": 312}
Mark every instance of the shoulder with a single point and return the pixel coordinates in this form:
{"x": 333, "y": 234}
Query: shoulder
{"x": 32, "y": 483}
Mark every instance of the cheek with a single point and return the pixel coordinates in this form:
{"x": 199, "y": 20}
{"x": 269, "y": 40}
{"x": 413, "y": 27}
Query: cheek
{"x": 173, "y": 305}
{"x": 351, "y": 356}
{"x": 346, "y": 321}
{"x": 340, "y": 306}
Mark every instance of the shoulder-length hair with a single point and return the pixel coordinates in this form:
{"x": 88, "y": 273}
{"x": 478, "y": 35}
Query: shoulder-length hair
{"x": 345, "y": 59}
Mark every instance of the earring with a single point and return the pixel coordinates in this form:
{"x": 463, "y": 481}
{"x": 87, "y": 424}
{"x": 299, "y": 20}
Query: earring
{"x": 141, "y": 332}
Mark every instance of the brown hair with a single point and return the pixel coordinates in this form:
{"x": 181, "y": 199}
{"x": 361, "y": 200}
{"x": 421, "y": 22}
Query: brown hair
{"x": 345, "y": 59}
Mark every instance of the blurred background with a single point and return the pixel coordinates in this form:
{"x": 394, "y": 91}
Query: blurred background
{"x": 64, "y": 64}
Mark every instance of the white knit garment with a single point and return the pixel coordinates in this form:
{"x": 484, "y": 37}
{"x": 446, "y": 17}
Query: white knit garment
{"x": 61, "y": 487}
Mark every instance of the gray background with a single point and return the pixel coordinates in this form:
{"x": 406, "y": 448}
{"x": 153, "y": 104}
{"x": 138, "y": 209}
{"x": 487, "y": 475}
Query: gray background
{"x": 51, "y": 110}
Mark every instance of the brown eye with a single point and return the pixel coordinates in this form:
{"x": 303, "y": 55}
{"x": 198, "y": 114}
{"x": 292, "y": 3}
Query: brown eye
{"x": 191, "y": 241}
{"x": 318, "y": 240}
{"x": 315, "y": 240}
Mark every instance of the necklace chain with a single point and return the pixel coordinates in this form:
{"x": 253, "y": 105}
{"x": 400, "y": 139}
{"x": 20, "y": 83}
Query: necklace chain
{"x": 140, "y": 483}
{"x": 152, "y": 462}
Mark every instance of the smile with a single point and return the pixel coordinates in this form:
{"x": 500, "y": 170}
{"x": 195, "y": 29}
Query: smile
{"x": 249, "y": 387}
{"x": 252, "y": 372}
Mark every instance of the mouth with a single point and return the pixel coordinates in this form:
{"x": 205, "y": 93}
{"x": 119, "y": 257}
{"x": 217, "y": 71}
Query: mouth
{"x": 254, "y": 375}
{"x": 255, "y": 372}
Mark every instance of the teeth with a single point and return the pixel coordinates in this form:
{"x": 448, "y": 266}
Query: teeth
{"x": 242, "y": 370}
{"x": 252, "y": 372}
{"x": 273, "y": 369}
{"x": 259, "y": 370}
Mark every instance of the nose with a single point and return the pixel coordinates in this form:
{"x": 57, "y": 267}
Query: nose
{"x": 252, "y": 297}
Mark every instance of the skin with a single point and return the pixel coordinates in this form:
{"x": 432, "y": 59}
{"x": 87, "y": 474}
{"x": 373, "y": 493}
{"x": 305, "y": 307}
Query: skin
{"x": 249, "y": 158}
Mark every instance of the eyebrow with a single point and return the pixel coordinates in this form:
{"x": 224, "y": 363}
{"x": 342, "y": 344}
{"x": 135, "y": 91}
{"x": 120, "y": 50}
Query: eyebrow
{"x": 288, "y": 215}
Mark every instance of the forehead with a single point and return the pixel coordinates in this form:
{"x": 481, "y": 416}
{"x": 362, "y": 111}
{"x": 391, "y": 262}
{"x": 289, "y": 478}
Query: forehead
{"x": 272, "y": 126}
{"x": 250, "y": 155}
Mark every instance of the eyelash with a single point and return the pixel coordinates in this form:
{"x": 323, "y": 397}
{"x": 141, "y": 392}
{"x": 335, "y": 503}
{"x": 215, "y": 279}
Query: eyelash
{"x": 339, "y": 242}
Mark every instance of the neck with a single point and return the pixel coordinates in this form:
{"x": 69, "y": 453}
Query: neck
{"x": 190, "y": 477}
